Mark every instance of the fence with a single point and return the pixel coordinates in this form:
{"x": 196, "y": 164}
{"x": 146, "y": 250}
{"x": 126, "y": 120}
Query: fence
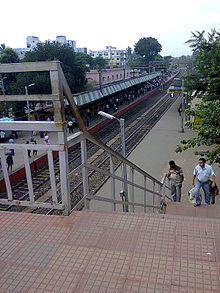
{"x": 60, "y": 193}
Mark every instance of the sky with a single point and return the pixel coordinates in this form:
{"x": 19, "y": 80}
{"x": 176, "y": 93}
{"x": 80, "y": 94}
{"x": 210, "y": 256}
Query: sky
{"x": 98, "y": 23}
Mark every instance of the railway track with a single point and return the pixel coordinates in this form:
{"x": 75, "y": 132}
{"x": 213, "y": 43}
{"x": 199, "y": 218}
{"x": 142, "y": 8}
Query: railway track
{"x": 139, "y": 121}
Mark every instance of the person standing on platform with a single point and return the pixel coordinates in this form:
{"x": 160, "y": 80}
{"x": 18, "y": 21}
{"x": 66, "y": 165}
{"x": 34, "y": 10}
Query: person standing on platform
{"x": 34, "y": 151}
{"x": 10, "y": 162}
{"x": 46, "y": 139}
{"x": 175, "y": 175}
{"x": 70, "y": 126}
{"x": 201, "y": 176}
{"x": 29, "y": 151}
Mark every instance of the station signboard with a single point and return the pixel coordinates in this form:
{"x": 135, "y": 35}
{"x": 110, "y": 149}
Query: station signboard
{"x": 175, "y": 90}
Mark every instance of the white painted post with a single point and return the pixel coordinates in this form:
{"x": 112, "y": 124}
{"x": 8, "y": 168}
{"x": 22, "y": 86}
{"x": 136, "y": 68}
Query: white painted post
{"x": 85, "y": 174}
{"x": 112, "y": 171}
{"x": 6, "y": 175}
{"x": 52, "y": 176}
{"x": 132, "y": 187}
{"x": 153, "y": 196}
{"x": 144, "y": 192}
{"x": 59, "y": 117}
{"x": 28, "y": 176}
{"x": 159, "y": 198}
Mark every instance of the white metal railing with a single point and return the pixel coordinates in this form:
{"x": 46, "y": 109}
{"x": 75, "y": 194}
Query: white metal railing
{"x": 152, "y": 193}
{"x": 29, "y": 200}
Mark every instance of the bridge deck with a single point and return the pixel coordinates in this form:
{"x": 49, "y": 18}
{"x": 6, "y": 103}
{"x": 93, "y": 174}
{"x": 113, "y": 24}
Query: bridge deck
{"x": 96, "y": 251}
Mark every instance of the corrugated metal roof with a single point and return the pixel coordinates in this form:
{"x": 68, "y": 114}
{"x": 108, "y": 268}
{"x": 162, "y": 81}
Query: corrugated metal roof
{"x": 86, "y": 98}
{"x": 107, "y": 90}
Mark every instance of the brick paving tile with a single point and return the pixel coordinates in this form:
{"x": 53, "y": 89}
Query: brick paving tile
{"x": 156, "y": 243}
{"x": 195, "y": 247}
{"x": 118, "y": 239}
{"x": 84, "y": 236}
{"x": 14, "y": 280}
{"x": 34, "y": 254}
{"x": 100, "y": 251}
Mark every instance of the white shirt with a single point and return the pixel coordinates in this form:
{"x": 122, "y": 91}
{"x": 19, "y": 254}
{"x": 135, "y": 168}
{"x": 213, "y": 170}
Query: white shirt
{"x": 203, "y": 174}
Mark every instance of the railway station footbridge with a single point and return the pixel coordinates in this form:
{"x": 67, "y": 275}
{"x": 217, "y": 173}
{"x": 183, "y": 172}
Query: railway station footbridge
{"x": 99, "y": 251}
{"x": 59, "y": 196}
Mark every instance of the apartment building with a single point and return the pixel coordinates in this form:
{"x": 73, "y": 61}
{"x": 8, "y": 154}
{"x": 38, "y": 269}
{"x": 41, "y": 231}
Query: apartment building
{"x": 32, "y": 42}
{"x": 114, "y": 56}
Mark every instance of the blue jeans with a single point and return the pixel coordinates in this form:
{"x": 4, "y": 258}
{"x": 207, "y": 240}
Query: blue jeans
{"x": 176, "y": 192}
{"x": 205, "y": 187}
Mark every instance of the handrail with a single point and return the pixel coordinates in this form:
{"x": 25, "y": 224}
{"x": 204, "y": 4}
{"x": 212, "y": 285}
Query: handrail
{"x": 163, "y": 189}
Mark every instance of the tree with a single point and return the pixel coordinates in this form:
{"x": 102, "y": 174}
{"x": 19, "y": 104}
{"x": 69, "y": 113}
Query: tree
{"x": 8, "y": 55}
{"x": 2, "y": 47}
{"x": 206, "y": 82}
{"x": 72, "y": 67}
{"x": 136, "y": 60}
{"x": 148, "y": 48}
{"x": 100, "y": 62}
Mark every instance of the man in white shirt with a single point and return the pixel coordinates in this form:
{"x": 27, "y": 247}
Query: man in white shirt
{"x": 201, "y": 176}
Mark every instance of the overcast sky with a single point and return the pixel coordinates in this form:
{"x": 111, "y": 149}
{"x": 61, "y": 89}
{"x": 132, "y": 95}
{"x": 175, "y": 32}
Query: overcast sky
{"x": 98, "y": 23}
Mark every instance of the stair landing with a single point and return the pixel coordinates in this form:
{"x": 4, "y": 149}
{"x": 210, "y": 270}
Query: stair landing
{"x": 106, "y": 252}
{"x": 187, "y": 209}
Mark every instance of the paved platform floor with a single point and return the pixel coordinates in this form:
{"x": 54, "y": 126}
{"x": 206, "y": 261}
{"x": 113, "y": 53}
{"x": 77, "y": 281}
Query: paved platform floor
{"x": 96, "y": 251}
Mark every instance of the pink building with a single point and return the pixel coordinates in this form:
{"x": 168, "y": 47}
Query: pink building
{"x": 109, "y": 75}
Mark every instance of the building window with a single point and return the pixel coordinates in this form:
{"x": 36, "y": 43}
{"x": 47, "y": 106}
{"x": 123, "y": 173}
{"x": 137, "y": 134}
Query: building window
{"x": 113, "y": 77}
{"x": 108, "y": 78}
{"x": 116, "y": 76}
{"x": 120, "y": 75}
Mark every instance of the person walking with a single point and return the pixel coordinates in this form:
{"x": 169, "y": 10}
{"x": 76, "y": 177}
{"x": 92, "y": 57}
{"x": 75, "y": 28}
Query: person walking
{"x": 10, "y": 162}
{"x": 201, "y": 176}
{"x": 175, "y": 175}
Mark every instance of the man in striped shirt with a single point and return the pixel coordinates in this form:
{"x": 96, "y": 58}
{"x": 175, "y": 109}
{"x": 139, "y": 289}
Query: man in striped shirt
{"x": 175, "y": 175}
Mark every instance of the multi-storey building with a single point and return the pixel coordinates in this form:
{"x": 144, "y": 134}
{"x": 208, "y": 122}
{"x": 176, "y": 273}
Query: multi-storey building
{"x": 32, "y": 42}
{"x": 114, "y": 56}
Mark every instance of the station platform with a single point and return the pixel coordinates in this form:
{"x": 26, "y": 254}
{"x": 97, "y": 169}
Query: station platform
{"x": 157, "y": 149}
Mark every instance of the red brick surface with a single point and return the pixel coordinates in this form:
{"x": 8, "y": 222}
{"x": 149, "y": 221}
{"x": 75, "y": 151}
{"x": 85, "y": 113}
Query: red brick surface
{"x": 109, "y": 252}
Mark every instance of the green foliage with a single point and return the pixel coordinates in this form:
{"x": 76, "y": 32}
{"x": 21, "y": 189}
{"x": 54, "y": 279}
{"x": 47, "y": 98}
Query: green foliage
{"x": 148, "y": 48}
{"x": 207, "y": 56}
{"x": 135, "y": 60}
{"x": 71, "y": 64}
{"x": 8, "y": 55}
{"x": 99, "y": 62}
{"x": 206, "y": 82}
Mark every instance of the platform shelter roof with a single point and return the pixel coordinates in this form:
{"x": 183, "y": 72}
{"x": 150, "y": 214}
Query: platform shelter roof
{"x": 87, "y": 97}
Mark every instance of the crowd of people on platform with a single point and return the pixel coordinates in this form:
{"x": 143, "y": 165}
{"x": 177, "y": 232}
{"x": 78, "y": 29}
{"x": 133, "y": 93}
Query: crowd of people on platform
{"x": 112, "y": 103}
